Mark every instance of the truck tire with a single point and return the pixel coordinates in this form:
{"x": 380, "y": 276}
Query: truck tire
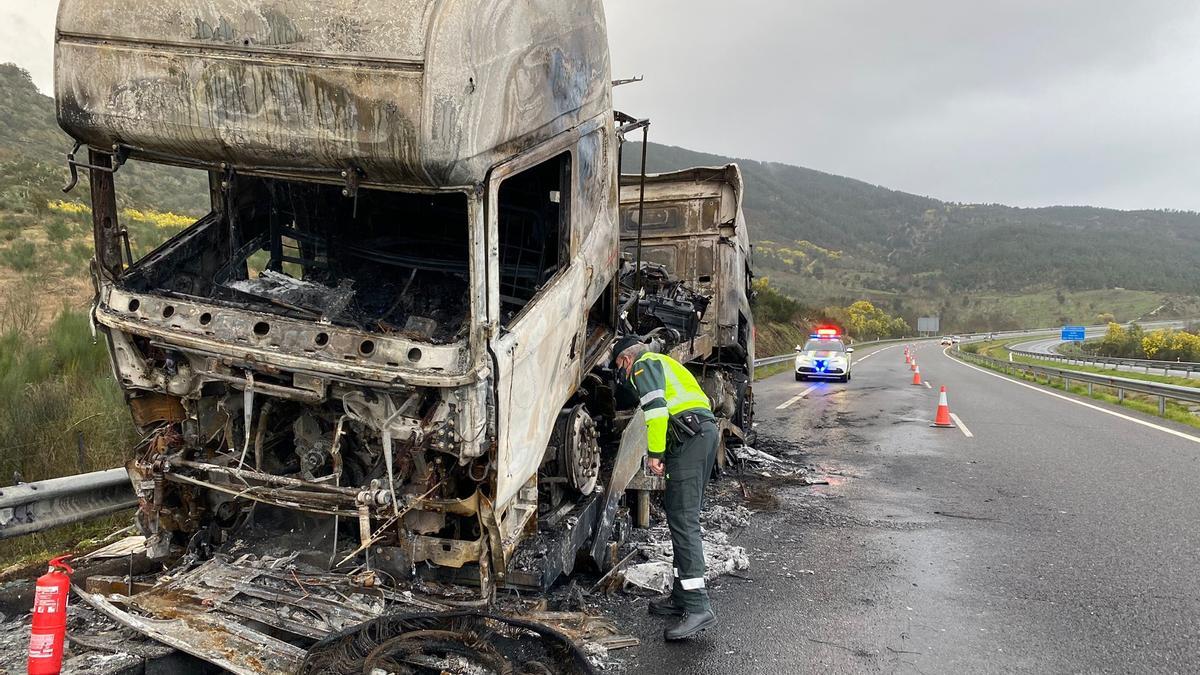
{"x": 800, "y": 378}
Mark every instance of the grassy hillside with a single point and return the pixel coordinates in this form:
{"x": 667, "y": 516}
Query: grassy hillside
{"x": 33, "y": 154}
{"x": 832, "y": 240}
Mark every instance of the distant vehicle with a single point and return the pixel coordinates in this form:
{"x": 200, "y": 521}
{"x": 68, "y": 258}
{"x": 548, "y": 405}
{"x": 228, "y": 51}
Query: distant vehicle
{"x": 947, "y": 340}
{"x": 824, "y": 357}
{"x": 955, "y": 339}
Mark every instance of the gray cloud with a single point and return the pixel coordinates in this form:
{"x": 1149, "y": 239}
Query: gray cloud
{"x": 1025, "y": 102}
{"x": 1022, "y": 101}
{"x": 27, "y": 38}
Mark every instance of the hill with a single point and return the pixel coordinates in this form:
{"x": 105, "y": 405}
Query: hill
{"x": 33, "y": 159}
{"x": 825, "y": 239}
{"x": 829, "y": 240}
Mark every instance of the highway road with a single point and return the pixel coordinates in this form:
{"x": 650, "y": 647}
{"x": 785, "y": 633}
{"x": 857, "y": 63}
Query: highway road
{"x": 1049, "y": 345}
{"x": 1046, "y": 534}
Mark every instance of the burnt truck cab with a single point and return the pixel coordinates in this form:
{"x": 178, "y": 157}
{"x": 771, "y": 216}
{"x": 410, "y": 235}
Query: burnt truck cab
{"x": 695, "y": 242}
{"x": 407, "y": 271}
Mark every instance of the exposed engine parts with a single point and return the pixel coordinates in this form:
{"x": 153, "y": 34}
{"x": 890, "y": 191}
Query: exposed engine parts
{"x": 235, "y": 449}
{"x": 666, "y": 309}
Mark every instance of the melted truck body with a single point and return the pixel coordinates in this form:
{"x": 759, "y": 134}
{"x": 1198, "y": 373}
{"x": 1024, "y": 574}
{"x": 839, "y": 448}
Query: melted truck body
{"x": 406, "y": 276}
{"x": 694, "y": 236}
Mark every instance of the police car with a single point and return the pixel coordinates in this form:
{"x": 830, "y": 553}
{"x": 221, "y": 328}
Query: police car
{"x": 824, "y": 357}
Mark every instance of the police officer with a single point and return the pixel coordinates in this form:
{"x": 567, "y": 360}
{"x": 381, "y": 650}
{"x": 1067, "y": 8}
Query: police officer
{"x": 683, "y": 438}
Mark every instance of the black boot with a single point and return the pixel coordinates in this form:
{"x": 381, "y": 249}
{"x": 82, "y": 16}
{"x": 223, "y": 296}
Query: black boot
{"x": 690, "y": 625}
{"x": 665, "y": 606}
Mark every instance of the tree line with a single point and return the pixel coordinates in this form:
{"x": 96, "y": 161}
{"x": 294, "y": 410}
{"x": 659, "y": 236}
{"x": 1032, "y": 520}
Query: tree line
{"x": 860, "y": 320}
{"x": 1134, "y": 342}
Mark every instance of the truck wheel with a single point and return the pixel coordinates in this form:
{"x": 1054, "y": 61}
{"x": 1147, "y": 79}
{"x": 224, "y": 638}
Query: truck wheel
{"x": 800, "y": 378}
{"x": 845, "y": 378}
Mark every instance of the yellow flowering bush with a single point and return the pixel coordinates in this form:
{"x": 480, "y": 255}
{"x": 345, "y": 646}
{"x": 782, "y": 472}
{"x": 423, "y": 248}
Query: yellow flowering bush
{"x": 1171, "y": 345}
{"x": 71, "y": 208}
{"x": 163, "y": 220}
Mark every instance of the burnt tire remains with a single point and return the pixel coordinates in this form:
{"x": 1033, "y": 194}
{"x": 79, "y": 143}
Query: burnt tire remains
{"x": 453, "y": 642}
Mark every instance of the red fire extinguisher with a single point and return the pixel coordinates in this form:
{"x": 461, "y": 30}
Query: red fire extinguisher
{"x": 50, "y": 619}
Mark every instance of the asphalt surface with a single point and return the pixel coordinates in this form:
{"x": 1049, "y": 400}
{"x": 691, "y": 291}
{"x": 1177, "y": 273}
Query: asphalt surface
{"x": 1060, "y": 537}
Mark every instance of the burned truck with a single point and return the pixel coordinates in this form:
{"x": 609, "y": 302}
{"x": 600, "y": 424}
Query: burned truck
{"x": 693, "y": 253}
{"x": 393, "y": 313}
{"x": 389, "y": 335}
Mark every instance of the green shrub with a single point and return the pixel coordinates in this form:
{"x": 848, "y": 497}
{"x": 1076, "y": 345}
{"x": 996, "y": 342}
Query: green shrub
{"x": 771, "y": 306}
{"x": 77, "y": 255}
{"x": 18, "y": 315}
{"x": 59, "y": 231}
{"x": 54, "y": 392}
{"x": 20, "y": 256}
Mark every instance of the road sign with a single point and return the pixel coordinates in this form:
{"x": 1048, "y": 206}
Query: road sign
{"x": 1073, "y": 334}
{"x": 929, "y": 324}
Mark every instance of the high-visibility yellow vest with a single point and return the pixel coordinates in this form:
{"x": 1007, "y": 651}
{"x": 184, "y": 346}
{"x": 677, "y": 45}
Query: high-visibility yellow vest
{"x": 665, "y": 388}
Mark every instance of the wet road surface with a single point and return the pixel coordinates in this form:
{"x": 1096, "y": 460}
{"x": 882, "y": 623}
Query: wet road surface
{"x": 1059, "y": 537}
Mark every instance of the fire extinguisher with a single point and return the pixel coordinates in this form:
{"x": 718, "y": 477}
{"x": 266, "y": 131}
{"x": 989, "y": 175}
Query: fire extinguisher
{"x": 50, "y": 619}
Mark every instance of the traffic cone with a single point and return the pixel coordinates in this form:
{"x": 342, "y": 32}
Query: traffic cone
{"x": 943, "y": 412}
{"x": 916, "y": 374}
{"x": 912, "y": 365}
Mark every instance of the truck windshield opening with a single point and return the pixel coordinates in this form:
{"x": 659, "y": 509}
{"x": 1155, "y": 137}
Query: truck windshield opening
{"x": 388, "y": 262}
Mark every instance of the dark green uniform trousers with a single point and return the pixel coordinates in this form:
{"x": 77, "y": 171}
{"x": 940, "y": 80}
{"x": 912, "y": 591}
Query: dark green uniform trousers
{"x": 689, "y": 463}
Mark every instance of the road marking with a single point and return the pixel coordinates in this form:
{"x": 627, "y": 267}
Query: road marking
{"x": 1180, "y": 434}
{"x": 961, "y": 427}
{"x": 928, "y": 386}
{"x": 881, "y": 349}
{"x": 795, "y": 398}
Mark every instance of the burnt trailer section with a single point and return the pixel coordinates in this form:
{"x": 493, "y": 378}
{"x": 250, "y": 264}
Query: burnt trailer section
{"x": 695, "y": 269}
{"x": 392, "y": 313}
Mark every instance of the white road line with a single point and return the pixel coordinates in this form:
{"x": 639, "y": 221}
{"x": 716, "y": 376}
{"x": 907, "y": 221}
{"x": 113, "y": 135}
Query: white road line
{"x": 1180, "y": 434}
{"x": 795, "y": 398}
{"x": 961, "y": 427}
{"x": 927, "y": 385}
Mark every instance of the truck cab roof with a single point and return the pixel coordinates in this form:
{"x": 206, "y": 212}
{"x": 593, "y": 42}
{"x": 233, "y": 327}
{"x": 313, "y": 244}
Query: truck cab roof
{"x": 419, "y": 93}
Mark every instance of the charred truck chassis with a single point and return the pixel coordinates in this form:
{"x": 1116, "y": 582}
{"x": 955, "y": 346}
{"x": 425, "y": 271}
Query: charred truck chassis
{"x": 394, "y": 313}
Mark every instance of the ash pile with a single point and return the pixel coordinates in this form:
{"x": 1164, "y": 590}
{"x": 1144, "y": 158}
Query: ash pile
{"x": 96, "y": 645}
{"x": 654, "y": 574}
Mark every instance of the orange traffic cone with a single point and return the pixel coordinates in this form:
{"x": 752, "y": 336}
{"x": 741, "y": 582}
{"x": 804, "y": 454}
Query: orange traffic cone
{"x": 943, "y": 412}
{"x": 916, "y": 374}
{"x": 912, "y": 365}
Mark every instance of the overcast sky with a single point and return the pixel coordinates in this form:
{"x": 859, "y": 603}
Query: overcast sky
{"x": 1024, "y": 102}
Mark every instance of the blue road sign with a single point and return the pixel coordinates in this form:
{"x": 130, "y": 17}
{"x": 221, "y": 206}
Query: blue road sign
{"x": 1073, "y": 334}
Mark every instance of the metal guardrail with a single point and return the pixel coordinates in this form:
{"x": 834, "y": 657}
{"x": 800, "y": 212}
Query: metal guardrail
{"x": 1122, "y": 385}
{"x": 33, "y": 507}
{"x": 1187, "y": 367}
